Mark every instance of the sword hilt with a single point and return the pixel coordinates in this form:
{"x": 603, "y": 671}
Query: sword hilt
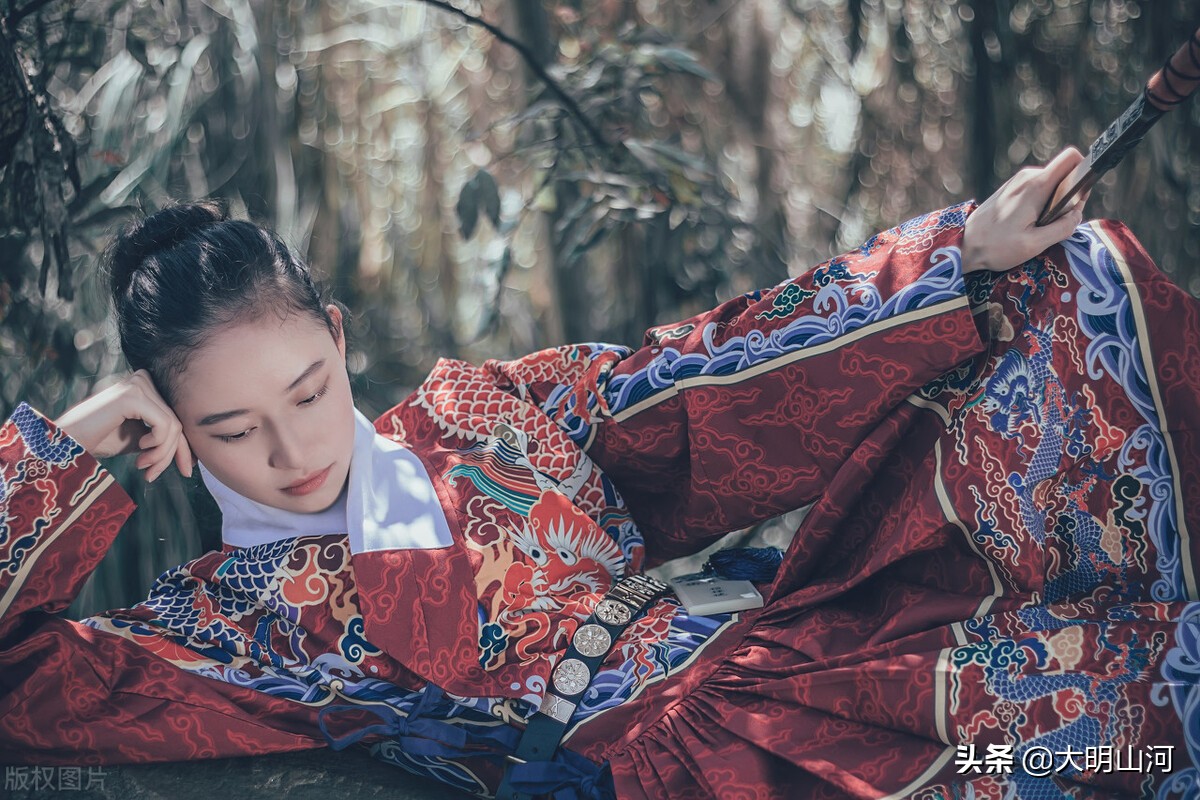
{"x": 1166, "y": 89}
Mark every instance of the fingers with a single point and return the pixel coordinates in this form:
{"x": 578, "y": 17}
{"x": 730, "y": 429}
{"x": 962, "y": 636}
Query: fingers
{"x": 158, "y": 446}
{"x": 165, "y": 442}
{"x": 1057, "y": 171}
{"x": 1003, "y": 230}
{"x": 130, "y": 416}
{"x": 1065, "y": 225}
{"x": 1061, "y": 165}
{"x": 183, "y": 456}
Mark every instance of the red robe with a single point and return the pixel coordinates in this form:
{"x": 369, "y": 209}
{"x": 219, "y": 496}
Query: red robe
{"x": 997, "y": 563}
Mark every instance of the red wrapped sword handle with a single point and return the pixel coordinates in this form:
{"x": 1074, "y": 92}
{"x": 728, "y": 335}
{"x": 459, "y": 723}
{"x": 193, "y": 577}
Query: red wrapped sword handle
{"x": 1178, "y": 78}
{"x": 1166, "y": 89}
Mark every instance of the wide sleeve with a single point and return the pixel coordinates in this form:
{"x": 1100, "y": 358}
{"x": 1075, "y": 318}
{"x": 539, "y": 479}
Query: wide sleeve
{"x": 70, "y": 694}
{"x": 747, "y": 410}
{"x": 59, "y": 513}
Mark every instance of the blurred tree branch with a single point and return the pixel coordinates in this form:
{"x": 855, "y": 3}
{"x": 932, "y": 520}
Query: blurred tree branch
{"x": 661, "y": 156}
{"x": 37, "y": 155}
{"x": 534, "y": 64}
{"x": 18, "y": 14}
{"x": 14, "y": 96}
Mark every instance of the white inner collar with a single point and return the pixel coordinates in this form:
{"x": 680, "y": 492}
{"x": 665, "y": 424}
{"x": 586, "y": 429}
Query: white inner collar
{"x": 389, "y": 503}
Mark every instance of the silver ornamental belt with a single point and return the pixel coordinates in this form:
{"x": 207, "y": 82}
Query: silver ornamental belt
{"x": 574, "y": 672}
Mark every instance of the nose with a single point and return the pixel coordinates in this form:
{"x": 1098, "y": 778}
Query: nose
{"x": 286, "y": 451}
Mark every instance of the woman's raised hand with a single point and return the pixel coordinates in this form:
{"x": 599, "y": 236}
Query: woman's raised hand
{"x": 1001, "y": 233}
{"x": 130, "y": 417}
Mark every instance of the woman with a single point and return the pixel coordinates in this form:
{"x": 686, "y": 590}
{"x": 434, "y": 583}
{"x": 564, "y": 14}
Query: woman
{"x": 995, "y": 567}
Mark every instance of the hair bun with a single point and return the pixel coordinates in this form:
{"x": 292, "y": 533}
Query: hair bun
{"x": 163, "y": 229}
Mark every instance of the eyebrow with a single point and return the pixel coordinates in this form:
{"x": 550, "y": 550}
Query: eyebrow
{"x": 213, "y": 419}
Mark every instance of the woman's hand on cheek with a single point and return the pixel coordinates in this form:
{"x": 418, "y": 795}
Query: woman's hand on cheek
{"x": 130, "y": 417}
{"x": 1002, "y": 232}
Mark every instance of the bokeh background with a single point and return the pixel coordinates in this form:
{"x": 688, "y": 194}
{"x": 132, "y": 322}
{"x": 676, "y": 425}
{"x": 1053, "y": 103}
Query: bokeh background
{"x": 492, "y": 177}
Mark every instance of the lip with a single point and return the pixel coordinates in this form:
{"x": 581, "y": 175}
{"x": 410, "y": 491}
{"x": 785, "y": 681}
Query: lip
{"x": 308, "y": 484}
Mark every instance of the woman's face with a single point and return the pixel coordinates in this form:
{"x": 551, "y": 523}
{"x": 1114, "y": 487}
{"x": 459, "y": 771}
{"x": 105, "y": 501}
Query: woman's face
{"x": 266, "y": 404}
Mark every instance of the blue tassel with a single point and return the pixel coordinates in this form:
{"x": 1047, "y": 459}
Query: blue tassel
{"x": 756, "y": 564}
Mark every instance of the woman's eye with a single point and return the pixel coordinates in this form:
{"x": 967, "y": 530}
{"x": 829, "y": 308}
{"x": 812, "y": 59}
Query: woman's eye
{"x": 314, "y": 398}
{"x": 237, "y": 437}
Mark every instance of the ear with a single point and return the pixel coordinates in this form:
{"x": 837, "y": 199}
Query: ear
{"x": 335, "y": 314}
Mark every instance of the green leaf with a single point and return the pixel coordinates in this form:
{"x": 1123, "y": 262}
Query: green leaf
{"x": 468, "y": 208}
{"x": 91, "y": 191}
{"x": 573, "y": 215}
{"x": 587, "y": 233}
{"x": 480, "y": 191}
{"x": 643, "y": 153}
{"x": 545, "y": 200}
{"x": 489, "y": 196}
{"x": 673, "y": 58}
{"x": 543, "y": 107}
{"x": 592, "y": 77}
{"x": 664, "y": 158}
{"x": 105, "y": 216}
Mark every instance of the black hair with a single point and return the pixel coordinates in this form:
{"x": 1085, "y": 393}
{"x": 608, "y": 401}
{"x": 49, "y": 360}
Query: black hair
{"x": 188, "y": 269}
